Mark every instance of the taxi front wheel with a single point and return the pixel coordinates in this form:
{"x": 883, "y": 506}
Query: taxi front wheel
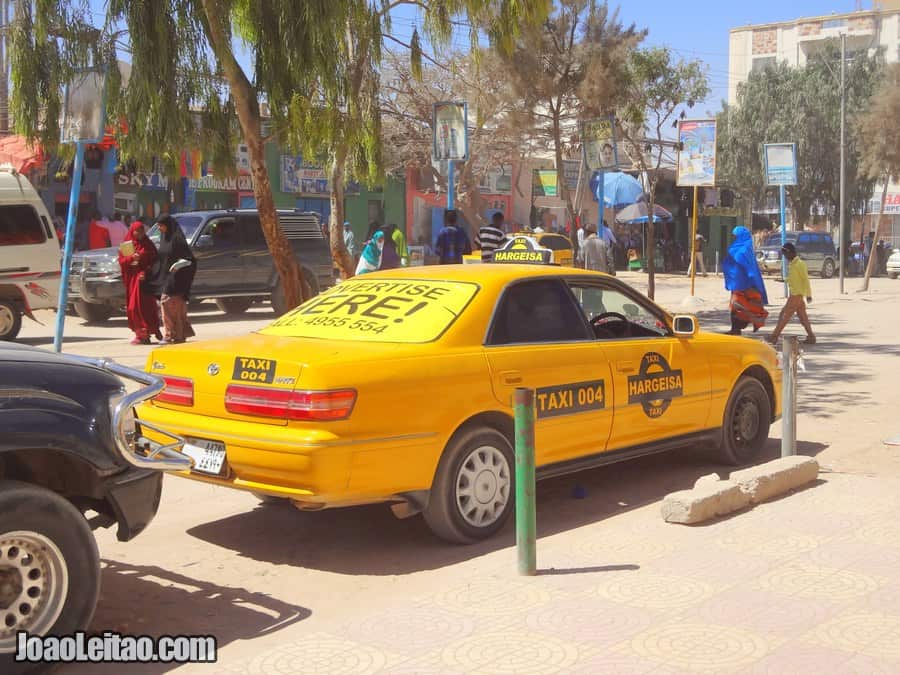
{"x": 472, "y": 493}
{"x": 748, "y": 417}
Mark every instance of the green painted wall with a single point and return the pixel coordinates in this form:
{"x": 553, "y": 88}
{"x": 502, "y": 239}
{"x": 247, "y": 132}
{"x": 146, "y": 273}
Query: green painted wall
{"x": 393, "y": 205}
{"x": 356, "y": 207}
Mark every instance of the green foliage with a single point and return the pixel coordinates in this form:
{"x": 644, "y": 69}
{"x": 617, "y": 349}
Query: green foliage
{"x": 799, "y": 105}
{"x": 656, "y": 88}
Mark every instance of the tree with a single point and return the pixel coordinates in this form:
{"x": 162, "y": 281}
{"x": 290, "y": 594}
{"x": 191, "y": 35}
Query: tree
{"x": 781, "y": 104}
{"x": 656, "y": 90}
{"x": 184, "y": 60}
{"x": 497, "y": 129}
{"x": 879, "y": 137}
{"x": 569, "y": 68}
{"x": 344, "y": 124}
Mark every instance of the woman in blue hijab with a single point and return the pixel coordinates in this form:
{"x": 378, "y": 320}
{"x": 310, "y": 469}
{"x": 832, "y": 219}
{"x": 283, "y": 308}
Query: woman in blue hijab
{"x": 743, "y": 279}
{"x": 370, "y": 260}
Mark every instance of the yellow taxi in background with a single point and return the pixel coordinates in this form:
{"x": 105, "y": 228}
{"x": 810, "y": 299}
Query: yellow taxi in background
{"x": 561, "y": 246}
{"x": 397, "y": 387}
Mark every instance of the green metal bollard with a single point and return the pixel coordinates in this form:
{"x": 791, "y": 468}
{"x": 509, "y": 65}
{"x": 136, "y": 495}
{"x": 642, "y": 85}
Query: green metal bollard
{"x": 526, "y": 516}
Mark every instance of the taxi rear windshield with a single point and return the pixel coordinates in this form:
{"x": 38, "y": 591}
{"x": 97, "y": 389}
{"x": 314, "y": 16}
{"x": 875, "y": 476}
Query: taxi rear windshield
{"x": 391, "y": 310}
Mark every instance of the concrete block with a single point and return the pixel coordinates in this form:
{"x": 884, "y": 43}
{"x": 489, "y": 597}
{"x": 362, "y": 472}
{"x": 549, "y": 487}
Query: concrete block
{"x": 763, "y": 482}
{"x": 708, "y": 479}
{"x": 707, "y": 500}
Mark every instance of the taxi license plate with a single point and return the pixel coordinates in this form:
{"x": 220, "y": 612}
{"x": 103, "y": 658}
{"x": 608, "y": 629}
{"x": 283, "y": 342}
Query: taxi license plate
{"x": 208, "y": 456}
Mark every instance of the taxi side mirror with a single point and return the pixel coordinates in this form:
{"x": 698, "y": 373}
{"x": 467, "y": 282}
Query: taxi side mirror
{"x": 684, "y": 325}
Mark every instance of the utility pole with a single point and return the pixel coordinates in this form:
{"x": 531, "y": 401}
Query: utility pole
{"x": 842, "y": 253}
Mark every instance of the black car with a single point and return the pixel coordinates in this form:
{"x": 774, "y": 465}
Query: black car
{"x": 234, "y": 266}
{"x": 72, "y": 459}
{"x": 815, "y": 248}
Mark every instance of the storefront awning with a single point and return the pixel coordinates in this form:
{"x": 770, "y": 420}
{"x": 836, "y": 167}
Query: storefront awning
{"x": 15, "y": 151}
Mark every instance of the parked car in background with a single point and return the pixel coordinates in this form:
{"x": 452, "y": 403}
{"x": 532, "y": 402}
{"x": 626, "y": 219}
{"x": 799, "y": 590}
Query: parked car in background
{"x": 815, "y": 248}
{"x": 893, "y": 264}
{"x": 72, "y": 459}
{"x": 29, "y": 254}
{"x": 234, "y": 266}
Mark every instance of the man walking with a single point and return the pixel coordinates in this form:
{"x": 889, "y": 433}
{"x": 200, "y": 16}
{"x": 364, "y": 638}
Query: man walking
{"x": 490, "y": 237}
{"x": 799, "y": 292}
{"x": 697, "y": 258}
{"x": 452, "y": 242}
{"x": 597, "y": 253}
{"x": 349, "y": 240}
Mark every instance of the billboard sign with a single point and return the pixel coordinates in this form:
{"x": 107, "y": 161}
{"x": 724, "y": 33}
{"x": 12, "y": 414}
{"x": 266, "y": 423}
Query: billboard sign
{"x": 599, "y": 144}
{"x": 697, "y": 153}
{"x": 84, "y": 108}
{"x": 781, "y": 163}
{"x": 449, "y": 132}
{"x": 545, "y": 183}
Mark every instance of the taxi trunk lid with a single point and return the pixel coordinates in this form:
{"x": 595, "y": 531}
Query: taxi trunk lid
{"x": 213, "y": 365}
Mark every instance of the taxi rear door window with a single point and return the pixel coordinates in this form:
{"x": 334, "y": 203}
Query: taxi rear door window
{"x": 389, "y": 310}
{"x": 537, "y": 311}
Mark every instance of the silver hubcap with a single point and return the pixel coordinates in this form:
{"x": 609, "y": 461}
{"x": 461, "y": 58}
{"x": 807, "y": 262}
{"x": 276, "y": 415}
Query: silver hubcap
{"x": 7, "y": 319}
{"x": 482, "y": 486}
{"x": 34, "y": 582}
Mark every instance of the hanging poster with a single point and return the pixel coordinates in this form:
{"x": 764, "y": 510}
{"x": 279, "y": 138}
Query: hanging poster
{"x": 545, "y": 183}
{"x": 781, "y": 163}
{"x": 449, "y": 131}
{"x": 697, "y": 155}
{"x": 599, "y": 144}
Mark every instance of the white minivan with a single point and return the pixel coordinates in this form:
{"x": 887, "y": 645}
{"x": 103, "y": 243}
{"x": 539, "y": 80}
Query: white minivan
{"x": 30, "y": 256}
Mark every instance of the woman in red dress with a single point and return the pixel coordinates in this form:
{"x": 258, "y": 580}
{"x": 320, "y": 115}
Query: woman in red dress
{"x": 143, "y": 312}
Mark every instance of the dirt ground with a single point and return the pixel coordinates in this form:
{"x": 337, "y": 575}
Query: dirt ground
{"x": 357, "y": 591}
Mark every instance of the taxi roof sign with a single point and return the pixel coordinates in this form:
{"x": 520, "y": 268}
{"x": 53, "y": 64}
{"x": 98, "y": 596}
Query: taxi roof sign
{"x": 522, "y": 250}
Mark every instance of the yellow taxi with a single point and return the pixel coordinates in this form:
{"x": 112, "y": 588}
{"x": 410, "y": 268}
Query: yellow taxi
{"x": 560, "y": 246}
{"x": 397, "y": 387}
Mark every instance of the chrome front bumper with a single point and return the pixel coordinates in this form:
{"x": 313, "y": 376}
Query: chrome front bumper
{"x": 161, "y": 457}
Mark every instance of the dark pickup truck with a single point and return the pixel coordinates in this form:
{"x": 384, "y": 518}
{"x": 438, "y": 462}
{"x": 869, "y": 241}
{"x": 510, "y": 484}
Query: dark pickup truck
{"x": 72, "y": 458}
{"x": 234, "y": 266}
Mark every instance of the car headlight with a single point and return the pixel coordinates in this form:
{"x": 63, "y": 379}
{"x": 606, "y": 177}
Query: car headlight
{"x": 108, "y": 267}
{"x": 129, "y": 426}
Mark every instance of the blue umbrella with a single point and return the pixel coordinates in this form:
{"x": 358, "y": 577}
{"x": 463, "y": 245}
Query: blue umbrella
{"x": 619, "y": 189}
{"x": 637, "y": 213}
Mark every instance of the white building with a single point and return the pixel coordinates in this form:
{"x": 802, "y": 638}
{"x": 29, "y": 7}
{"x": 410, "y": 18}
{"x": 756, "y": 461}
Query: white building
{"x": 755, "y": 47}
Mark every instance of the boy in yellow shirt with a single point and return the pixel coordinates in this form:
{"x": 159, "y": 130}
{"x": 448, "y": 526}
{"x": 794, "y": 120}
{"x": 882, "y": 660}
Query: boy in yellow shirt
{"x": 798, "y": 289}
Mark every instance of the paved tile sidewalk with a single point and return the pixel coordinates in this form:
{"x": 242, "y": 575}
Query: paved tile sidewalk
{"x": 808, "y": 583}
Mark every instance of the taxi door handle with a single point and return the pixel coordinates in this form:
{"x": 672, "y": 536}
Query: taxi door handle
{"x": 511, "y": 377}
{"x": 626, "y": 366}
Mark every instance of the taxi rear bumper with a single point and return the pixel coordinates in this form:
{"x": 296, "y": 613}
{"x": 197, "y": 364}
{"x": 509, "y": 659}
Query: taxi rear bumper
{"x": 312, "y": 467}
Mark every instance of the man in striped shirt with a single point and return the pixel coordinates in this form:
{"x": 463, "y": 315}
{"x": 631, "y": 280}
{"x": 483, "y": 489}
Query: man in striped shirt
{"x": 491, "y": 237}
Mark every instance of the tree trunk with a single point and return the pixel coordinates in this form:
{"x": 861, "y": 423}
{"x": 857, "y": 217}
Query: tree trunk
{"x": 871, "y": 265}
{"x": 561, "y": 187}
{"x": 470, "y": 202}
{"x": 339, "y": 252}
{"x": 296, "y": 290}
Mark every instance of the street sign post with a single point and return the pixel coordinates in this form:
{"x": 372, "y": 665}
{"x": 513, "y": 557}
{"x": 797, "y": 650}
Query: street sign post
{"x": 450, "y": 139}
{"x": 696, "y": 167}
{"x": 780, "y": 161}
{"x": 82, "y": 123}
{"x": 601, "y": 153}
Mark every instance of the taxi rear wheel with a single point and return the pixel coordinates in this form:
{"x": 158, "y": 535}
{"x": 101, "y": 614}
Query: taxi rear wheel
{"x": 748, "y": 417}
{"x": 472, "y": 493}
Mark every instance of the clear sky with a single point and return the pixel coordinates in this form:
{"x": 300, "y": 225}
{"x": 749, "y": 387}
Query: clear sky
{"x": 694, "y": 29}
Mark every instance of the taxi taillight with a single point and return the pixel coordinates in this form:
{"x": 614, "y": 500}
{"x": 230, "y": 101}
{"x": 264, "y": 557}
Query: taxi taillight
{"x": 322, "y": 406}
{"x": 179, "y": 390}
